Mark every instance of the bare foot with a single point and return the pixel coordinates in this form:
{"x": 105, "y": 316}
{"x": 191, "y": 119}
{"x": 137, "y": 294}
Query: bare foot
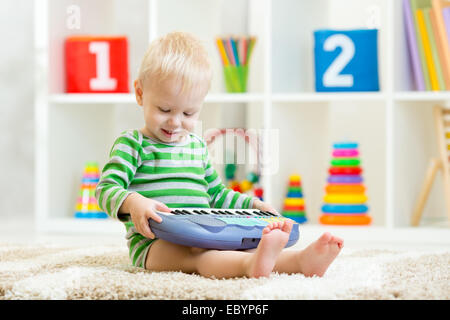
{"x": 316, "y": 258}
{"x": 273, "y": 240}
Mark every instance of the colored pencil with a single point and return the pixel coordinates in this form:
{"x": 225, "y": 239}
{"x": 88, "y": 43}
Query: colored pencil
{"x": 229, "y": 51}
{"x": 250, "y": 48}
{"x": 222, "y": 52}
{"x": 235, "y": 52}
{"x": 244, "y": 51}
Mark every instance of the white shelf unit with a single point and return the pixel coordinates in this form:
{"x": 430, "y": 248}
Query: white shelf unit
{"x": 393, "y": 126}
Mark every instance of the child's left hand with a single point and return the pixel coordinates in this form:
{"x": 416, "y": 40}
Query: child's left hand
{"x": 260, "y": 205}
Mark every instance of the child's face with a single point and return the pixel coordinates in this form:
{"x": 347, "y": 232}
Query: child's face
{"x": 169, "y": 114}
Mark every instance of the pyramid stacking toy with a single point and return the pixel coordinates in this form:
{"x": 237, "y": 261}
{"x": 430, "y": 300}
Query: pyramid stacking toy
{"x": 344, "y": 201}
{"x": 294, "y": 204}
{"x": 87, "y": 206}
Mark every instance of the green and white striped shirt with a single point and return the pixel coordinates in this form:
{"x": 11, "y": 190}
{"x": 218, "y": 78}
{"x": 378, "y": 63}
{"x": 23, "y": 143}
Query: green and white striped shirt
{"x": 178, "y": 174}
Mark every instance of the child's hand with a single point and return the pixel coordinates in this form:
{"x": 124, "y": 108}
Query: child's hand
{"x": 258, "y": 204}
{"x": 141, "y": 209}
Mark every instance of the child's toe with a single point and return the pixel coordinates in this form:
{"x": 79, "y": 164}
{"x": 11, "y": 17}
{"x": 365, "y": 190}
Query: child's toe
{"x": 287, "y": 226}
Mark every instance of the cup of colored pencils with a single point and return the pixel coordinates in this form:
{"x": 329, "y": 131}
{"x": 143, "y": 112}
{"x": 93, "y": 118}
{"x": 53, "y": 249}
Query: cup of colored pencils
{"x": 235, "y": 53}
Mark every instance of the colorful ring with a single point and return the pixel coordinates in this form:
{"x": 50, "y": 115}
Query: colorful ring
{"x": 345, "y": 145}
{"x": 345, "y": 188}
{"x": 345, "y": 162}
{"x": 294, "y": 202}
{"x": 293, "y": 213}
{"x": 294, "y": 208}
{"x": 345, "y": 153}
{"x": 347, "y": 179}
{"x": 298, "y": 219}
{"x": 345, "y": 220}
{"x": 294, "y": 194}
{"x": 89, "y": 180}
{"x": 345, "y": 170}
{"x": 91, "y": 215}
{"x": 346, "y": 214}
{"x": 339, "y": 208}
{"x": 345, "y": 198}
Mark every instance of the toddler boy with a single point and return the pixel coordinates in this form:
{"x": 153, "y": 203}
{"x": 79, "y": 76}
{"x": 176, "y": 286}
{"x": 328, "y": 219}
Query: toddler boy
{"x": 164, "y": 165}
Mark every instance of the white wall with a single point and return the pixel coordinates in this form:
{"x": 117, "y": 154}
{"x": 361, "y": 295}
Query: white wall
{"x": 17, "y": 95}
{"x": 16, "y": 109}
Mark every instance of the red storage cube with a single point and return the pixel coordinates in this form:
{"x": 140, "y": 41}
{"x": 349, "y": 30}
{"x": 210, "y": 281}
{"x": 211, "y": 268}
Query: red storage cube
{"x": 96, "y": 64}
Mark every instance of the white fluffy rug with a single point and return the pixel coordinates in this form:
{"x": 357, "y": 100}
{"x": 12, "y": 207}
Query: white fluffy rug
{"x": 103, "y": 272}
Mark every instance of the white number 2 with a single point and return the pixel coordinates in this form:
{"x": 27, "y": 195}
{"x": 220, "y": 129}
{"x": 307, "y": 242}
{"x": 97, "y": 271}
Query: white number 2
{"x": 102, "y": 81}
{"x": 331, "y": 77}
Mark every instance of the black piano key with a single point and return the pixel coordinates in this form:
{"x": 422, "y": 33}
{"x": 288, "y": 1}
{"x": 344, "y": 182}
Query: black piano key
{"x": 228, "y": 212}
{"x": 197, "y": 211}
{"x": 176, "y": 212}
{"x": 270, "y": 213}
{"x": 204, "y": 212}
{"x": 186, "y": 212}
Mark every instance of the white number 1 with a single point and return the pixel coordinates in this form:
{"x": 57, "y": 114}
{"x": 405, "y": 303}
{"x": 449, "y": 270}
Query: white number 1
{"x": 331, "y": 77}
{"x": 103, "y": 81}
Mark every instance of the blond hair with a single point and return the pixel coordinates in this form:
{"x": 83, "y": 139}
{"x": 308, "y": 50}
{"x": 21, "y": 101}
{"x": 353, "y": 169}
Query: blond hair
{"x": 178, "y": 56}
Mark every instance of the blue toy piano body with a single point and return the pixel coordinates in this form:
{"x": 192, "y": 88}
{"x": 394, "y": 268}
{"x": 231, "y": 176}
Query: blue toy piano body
{"x": 228, "y": 229}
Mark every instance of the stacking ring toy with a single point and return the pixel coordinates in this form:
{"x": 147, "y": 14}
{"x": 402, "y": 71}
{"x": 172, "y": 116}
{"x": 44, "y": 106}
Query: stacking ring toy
{"x": 345, "y": 145}
{"x": 345, "y": 170}
{"x": 346, "y": 162}
{"x": 345, "y": 198}
{"x": 346, "y": 220}
{"x": 342, "y": 208}
{"x": 345, "y": 153}
{"x": 345, "y": 179}
{"x": 345, "y": 188}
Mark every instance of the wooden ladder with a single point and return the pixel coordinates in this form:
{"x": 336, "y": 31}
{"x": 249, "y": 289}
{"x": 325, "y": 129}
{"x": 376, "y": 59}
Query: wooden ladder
{"x": 441, "y": 162}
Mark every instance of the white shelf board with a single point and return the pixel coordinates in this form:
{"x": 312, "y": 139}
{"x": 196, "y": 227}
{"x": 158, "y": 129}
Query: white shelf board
{"x": 423, "y": 96}
{"x": 92, "y": 98}
{"x": 328, "y": 96}
{"x": 98, "y": 98}
{"x": 234, "y": 97}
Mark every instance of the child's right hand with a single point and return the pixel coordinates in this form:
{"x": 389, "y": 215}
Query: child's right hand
{"x": 141, "y": 209}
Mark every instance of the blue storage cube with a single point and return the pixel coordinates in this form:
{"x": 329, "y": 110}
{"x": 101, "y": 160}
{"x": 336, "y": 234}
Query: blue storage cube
{"x": 346, "y": 60}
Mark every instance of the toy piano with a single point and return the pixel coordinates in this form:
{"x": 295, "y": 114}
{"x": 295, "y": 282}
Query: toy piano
{"x": 224, "y": 229}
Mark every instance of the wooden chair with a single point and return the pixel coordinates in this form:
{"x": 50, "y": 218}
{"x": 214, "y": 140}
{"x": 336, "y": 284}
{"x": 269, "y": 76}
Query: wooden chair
{"x": 438, "y": 163}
